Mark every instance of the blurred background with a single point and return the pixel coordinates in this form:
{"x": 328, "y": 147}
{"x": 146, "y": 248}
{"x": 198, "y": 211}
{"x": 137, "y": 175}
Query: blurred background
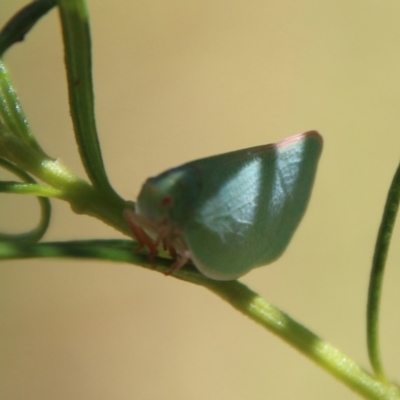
{"x": 176, "y": 81}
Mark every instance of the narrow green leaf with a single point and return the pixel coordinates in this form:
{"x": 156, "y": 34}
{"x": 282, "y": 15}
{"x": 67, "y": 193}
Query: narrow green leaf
{"x": 377, "y": 273}
{"x": 12, "y": 113}
{"x": 22, "y": 22}
{"x": 77, "y": 44}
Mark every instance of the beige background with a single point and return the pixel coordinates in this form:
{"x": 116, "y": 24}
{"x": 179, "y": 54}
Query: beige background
{"x": 179, "y": 80}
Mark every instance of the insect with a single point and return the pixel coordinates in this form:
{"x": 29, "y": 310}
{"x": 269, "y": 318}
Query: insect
{"x": 232, "y": 212}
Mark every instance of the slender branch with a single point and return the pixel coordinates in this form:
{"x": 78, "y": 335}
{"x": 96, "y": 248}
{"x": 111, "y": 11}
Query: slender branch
{"x": 83, "y": 197}
{"x": 77, "y": 44}
{"x": 37, "y": 233}
{"x": 22, "y": 22}
{"x": 237, "y": 295}
{"x": 33, "y": 189}
{"x": 377, "y": 273}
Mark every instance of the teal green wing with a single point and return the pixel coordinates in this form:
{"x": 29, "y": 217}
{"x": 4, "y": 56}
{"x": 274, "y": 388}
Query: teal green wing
{"x": 249, "y": 205}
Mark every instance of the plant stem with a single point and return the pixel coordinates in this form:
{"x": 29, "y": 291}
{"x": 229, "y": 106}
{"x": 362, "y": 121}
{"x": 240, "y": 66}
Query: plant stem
{"x": 83, "y": 197}
{"x": 237, "y": 295}
{"x": 377, "y": 273}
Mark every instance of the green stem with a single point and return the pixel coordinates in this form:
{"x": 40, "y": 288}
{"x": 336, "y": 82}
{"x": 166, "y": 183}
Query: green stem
{"x": 321, "y": 352}
{"x": 238, "y": 296}
{"x": 37, "y": 233}
{"x": 33, "y": 189}
{"x": 18, "y": 145}
{"x": 78, "y": 61}
{"x": 377, "y": 273}
{"x": 22, "y": 22}
{"x": 83, "y": 197}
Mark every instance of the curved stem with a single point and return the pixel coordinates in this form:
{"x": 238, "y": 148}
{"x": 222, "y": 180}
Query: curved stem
{"x": 37, "y": 233}
{"x": 19, "y": 25}
{"x": 83, "y": 197}
{"x": 377, "y": 273}
{"x": 237, "y": 295}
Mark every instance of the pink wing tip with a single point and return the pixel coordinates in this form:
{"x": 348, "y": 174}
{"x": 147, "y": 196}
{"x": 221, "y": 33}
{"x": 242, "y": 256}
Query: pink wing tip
{"x": 300, "y": 136}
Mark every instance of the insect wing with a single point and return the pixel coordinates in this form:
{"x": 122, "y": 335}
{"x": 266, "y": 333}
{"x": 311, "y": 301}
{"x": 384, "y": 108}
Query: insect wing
{"x": 250, "y": 204}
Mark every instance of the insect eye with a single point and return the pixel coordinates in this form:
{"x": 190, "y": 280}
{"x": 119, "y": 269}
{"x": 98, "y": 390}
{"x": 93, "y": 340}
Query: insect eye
{"x": 167, "y": 201}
